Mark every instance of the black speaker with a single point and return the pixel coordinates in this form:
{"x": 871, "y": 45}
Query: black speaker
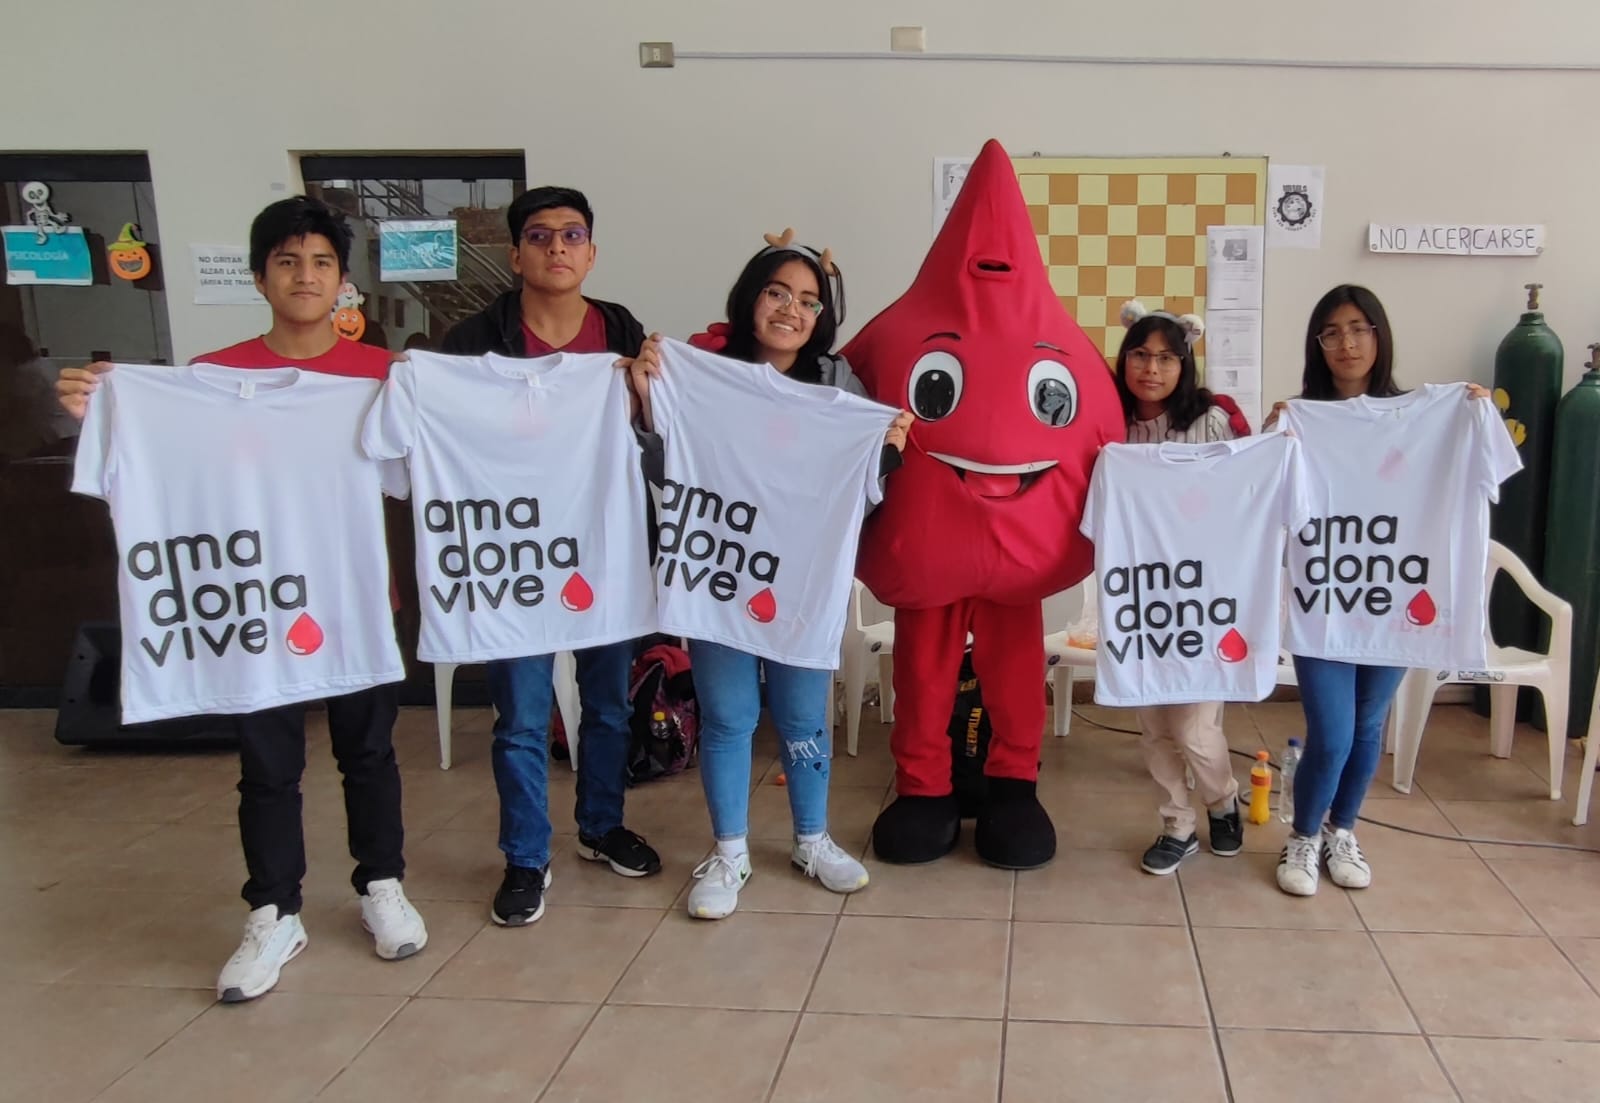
{"x": 90, "y": 715}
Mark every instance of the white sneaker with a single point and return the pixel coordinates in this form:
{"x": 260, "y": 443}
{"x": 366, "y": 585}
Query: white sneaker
{"x": 269, "y": 944}
{"x": 718, "y": 881}
{"x": 823, "y": 860}
{"x": 1346, "y": 865}
{"x": 396, "y": 928}
{"x": 1298, "y": 867}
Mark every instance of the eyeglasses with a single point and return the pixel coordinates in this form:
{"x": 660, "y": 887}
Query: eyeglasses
{"x": 1332, "y": 338}
{"x": 540, "y": 237}
{"x": 1166, "y": 361}
{"x": 781, "y": 297}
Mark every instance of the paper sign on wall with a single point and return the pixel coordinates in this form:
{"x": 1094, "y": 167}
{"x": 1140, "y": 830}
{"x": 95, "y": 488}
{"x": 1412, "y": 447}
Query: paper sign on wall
{"x": 222, "y": 276}
{"x": 1294, "y": 206}
{"x": 62, "y": 258}
{"x": 949, "y": 173}
{"x": 1511, "y": 240}
{"x": 413, "y": 251}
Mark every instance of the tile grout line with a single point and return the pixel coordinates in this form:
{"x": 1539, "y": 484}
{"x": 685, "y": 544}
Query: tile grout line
{"x": 1205, "y": 989}
{"x": 566, "y": 1058}
{"x": 1005, "y": 992}
{"x": 1427, "y": 1039}
{"x": 1554, "y": 941}
{"x": 800, "y": 1012}
{"x": 165, "y": 1042}
{"x": 405, "y": 1002}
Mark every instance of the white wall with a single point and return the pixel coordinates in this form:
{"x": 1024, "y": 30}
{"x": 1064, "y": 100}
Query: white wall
{"x": 688, "y": 167}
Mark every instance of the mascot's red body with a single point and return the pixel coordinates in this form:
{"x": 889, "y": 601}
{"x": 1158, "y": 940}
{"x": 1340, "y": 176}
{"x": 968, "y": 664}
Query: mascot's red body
{"x": 1013, "y": 402}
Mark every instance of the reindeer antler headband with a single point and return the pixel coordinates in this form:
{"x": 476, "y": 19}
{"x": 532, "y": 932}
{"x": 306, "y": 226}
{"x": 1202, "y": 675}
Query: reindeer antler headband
{"x": 784, "y": 242}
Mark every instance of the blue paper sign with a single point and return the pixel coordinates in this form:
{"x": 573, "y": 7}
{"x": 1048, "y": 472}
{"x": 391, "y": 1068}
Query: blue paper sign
{"x": 63, "y": 256}
{"x": 411, "y": 252}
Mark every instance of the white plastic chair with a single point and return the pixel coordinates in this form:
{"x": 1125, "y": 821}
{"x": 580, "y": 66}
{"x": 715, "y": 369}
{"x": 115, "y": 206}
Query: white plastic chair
{"x": 863, "y": 639}
{"x": 1509, "y": 667}
{"x": 1062, "y": 658}
{"x": 565, "y": 679}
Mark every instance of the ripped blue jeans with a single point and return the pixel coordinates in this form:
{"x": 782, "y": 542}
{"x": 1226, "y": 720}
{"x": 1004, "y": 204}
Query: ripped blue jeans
{"x": 727, "y": 685}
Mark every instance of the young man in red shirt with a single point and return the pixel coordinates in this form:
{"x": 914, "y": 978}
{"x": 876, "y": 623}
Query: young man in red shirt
{"x": 300, "y": 254}
{"x": 552, "y": 251}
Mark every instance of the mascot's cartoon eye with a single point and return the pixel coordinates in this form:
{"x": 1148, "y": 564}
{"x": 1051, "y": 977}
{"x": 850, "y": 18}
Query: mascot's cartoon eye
{"x": 935, "y": 385}
{"x": 1053, "y": 393}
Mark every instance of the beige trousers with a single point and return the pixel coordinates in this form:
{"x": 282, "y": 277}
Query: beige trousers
{"x": 1177, "y": 740}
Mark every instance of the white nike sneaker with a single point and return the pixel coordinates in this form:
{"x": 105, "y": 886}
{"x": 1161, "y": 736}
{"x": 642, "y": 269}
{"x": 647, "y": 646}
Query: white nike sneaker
{"x": 396, "y": 928}
{"x": 269, "y": 944}
{"x": 823, "y": 860}
{"x": 718, "y": 880}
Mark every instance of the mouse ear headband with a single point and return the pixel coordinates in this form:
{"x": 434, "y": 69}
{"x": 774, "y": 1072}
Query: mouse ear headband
{"x": 1193, "y": 328}
{"x": 785, "y": 243}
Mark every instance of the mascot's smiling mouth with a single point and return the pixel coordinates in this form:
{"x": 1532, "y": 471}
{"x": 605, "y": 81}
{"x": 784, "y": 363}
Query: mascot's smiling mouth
{"x": 993, "y": 480}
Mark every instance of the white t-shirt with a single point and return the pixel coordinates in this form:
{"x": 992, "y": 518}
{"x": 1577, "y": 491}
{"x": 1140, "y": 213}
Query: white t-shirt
{"x": 252, "y": 566}
{"x": 1390, "y": 569}
{"x": 767, "y": 481}
{"x": 1188, "y": 541}
{"x": 528, "y": 502}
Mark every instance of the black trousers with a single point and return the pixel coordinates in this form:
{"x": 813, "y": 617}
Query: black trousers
{"x": 272, "y": 758}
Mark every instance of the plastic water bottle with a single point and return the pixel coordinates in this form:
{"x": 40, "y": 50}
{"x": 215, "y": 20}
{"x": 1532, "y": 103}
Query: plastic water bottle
{"x": 1260, "y": 789}
{"x": 1291, "y": 762}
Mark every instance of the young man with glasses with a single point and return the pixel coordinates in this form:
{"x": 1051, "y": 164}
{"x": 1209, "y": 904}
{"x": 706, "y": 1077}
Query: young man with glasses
{"x": 553, "y": 251}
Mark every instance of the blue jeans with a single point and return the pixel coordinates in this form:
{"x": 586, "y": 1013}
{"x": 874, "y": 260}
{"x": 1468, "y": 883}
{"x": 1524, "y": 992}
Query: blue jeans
{"x": 1345, "y": 706}
{"x": 727, "y": 685}
{"x": 523, "y": 696}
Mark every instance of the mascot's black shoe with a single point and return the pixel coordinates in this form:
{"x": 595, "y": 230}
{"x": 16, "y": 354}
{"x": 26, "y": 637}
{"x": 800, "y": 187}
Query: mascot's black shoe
{"x": 914, "y": 830}
{"x": 1014, "y": 830}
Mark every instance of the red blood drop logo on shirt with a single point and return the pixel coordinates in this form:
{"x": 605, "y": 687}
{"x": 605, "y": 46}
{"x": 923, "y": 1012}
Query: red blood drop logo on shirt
{"x": 305, "y": 635}
{"x": 577, "y": 594}
{"x": 763, "y": 607}
{"x": 1232, "y": 648}
{"x": 1421, "y": 611}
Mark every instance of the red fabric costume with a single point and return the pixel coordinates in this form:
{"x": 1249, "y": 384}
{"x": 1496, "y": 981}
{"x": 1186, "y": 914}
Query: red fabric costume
{"x": 1013, "y": 403}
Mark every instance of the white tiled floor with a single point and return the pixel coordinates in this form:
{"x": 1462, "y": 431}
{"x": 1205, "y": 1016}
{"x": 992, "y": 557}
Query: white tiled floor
{"x": 1467, "y": 972}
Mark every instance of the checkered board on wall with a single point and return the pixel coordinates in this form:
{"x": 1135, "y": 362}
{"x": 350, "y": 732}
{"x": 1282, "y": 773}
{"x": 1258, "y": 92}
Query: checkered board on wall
{"x": 1115, "y": 228}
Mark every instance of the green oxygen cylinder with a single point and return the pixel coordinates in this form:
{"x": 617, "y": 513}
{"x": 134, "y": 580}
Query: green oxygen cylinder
{"x": 1572, "y": 539}
{"x": 1527, "y": 387}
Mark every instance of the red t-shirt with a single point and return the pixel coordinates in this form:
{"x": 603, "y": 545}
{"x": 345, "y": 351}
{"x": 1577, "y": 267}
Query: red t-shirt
{"x": 591, "y": 338}
{"x": 349, "y": 358}
{"x": 344, "y": 358}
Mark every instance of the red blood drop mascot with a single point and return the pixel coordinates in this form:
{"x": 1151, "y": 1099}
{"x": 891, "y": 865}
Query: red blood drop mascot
{"x": 1013, "y": 402}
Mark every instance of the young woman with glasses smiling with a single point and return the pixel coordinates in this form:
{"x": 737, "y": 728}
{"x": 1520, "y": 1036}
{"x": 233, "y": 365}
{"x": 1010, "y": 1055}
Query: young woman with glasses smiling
{"x": 1163, "y": 401}
{"x": 784, "y": 310}
{"x": 1349, "y": 353}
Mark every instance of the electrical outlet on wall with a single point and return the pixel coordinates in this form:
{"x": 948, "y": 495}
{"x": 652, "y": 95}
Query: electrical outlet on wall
{"x": 655, "y": 55}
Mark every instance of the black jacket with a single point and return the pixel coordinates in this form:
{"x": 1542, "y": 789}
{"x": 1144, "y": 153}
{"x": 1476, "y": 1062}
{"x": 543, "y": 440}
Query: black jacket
{"x": 499, "y": 329}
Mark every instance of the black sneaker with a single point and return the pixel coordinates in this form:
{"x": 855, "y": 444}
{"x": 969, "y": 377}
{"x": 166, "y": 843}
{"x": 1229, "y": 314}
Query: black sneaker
{"x": 1164, "y": 856}
{"x": 520, "y": 900}
{"x": 1227, "y": 833}
{"x": 628, "y": 853}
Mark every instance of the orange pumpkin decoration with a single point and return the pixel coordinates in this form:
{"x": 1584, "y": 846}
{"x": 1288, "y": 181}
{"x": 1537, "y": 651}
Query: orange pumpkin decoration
{"x": 349, "y": 323}
{"x": 130, "y": 260}
{"x": 131, "y": 264}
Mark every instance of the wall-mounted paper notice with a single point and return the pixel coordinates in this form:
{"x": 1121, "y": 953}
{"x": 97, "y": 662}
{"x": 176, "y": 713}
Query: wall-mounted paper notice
{"x": 1233, "y": 267}
{"x": 222, "y": 276}
{"x": 1518, "y": 239}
